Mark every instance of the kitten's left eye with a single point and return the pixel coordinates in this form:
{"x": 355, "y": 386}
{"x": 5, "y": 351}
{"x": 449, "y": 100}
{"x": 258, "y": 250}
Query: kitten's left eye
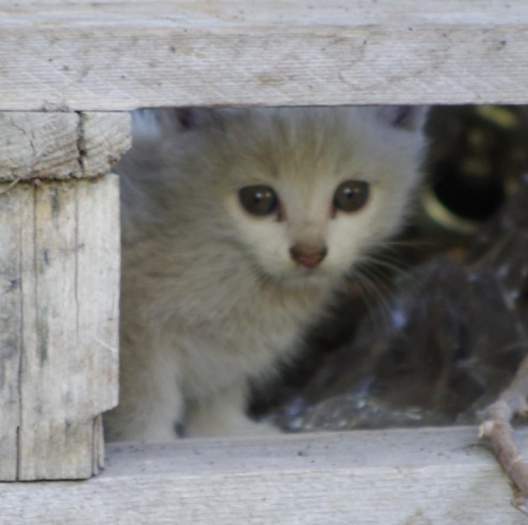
{"x": 351, "y": 195}
{"x": 258, "y": 200}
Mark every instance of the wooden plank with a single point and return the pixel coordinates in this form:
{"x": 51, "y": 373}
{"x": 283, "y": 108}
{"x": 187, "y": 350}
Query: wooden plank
{"x": 116, "y": 55}
{"x": 62, "y": 326}
{"x": 36, "y": 145}
{"x": 104, "y": 137}
{"x": 98, "y": 300}
{"x": 60, "y": 145}
{"x": 412, "y": 477}
{"x": 13, "y": 206}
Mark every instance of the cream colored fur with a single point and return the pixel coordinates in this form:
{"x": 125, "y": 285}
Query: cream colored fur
{"x": 211, "y": 297}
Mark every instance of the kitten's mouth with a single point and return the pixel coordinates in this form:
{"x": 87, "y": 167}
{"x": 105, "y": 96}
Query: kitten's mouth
{"x": 297, "y": 276}
{"x": 302, "y": 276}
{"x": 309, "y": 270}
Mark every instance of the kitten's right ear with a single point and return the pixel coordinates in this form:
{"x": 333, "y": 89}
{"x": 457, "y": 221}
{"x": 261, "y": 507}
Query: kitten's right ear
{"x": 410, "y": 118}
{"x": 185, "y": 117}
{"x": 196, "y": 118}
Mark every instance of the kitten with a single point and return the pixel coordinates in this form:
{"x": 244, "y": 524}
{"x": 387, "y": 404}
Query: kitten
{"x": 238, "y": 226}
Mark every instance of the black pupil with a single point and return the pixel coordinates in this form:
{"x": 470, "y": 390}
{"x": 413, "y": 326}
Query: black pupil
{"x": 258, "y": 200}
{"x": 350, "y": 192}
{"x": 351, "y": 195}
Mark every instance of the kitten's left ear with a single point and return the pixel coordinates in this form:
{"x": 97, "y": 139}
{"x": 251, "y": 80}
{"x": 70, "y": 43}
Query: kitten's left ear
{"x": 410, "y": 118}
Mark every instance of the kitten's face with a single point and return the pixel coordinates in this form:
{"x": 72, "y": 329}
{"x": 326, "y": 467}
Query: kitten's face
{"x": 311, "y": 190}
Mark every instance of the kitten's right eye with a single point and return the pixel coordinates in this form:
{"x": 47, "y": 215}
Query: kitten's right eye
{"x": 258, "y": 200}
{"x": 351, "y": 195}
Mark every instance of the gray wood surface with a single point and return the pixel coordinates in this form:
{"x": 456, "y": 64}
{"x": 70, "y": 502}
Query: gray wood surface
{"x": 59, "y": 275}
{"x": 405, "y": 477}
{"x": 117, "y": 55}
{"x": 60, "y": 145}
{"x": 11, "y": 258}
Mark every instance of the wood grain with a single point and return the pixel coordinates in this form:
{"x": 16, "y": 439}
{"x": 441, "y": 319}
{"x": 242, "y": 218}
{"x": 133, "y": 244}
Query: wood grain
{"x": 60, "y": 266}
{"x": 411, "y": 477}
{"x": 104, "y": 137}
{"x": 60, "y": 146}
{"x": 35, "y": 145}
{"x": 14, "y": 211}
{"x": 117, "y": 55}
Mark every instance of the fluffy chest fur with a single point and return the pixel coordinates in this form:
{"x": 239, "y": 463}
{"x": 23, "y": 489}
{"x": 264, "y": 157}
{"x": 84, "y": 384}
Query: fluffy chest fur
{"x": 216, "y": 321}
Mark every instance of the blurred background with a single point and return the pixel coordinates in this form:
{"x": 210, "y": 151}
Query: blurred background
{"x": 433, "y": 328}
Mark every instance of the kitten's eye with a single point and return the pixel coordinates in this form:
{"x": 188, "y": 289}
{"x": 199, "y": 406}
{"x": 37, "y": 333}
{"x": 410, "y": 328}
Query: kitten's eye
{"x": 351, "y": 195}
{"x": 258, "y": 200}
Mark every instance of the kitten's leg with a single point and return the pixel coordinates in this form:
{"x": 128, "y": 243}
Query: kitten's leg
{"x": 151, "y": 405}
{"x": 149, "y": 420}
{"x": 224, "y": 415}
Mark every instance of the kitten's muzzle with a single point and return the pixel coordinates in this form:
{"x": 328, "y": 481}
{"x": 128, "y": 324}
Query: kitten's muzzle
{"x": 308, "y": 256}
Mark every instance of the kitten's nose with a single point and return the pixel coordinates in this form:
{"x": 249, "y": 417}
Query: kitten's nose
{"x": 308, "y": 256}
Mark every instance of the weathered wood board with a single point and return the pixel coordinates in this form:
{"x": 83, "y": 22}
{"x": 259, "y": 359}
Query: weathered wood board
{"x": 60, "y": 145}
{"x": 59, "y": 274}
{"x": 118, "y": 55}
{"x": 397, "y": 477}
{"x": 59, "y": 290}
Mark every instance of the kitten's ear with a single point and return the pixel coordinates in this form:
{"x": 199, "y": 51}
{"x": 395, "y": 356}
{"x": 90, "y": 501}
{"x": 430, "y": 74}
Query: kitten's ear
{"x": 198, "y": 118}
{"x": 410, "y": 118}
{"x": 152, "y": 125}
{"x": 185, "y": 118}
{"x": 191, "y": 118}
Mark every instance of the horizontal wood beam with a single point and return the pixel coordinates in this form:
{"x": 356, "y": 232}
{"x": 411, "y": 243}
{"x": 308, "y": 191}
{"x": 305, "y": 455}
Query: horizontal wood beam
{"x": 417, "y": 476}
{"x": 117, "y": 55}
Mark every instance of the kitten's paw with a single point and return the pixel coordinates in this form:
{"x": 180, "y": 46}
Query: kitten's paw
{"x": 254, "y": 428}
{"x": 232, "y": 425}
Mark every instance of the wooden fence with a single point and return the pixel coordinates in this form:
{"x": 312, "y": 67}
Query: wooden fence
{"x": 69, "y": 72}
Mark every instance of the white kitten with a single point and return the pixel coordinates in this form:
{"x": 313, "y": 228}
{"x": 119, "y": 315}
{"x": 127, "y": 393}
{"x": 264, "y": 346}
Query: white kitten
{"x": 238, "y": 225}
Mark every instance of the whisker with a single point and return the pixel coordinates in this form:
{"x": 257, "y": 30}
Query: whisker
{"x": 408, "y": 243}
{"x": 370, "y": 286}
{"x": 366, "y": 295}
{"x": 392, "y": 266}
{"x": 382, "y": 291}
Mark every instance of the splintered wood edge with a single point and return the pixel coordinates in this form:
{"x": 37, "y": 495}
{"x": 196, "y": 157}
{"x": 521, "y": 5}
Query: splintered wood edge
{"x": 60, "y": 146}
{"x": 415, "y": 477}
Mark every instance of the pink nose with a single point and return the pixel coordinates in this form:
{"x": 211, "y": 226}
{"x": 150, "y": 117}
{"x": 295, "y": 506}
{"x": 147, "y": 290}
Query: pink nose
{"x": 308, "y": 256}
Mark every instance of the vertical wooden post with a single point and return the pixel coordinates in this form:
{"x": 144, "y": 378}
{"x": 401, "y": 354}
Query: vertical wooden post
{"x": 59, "y": 290}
